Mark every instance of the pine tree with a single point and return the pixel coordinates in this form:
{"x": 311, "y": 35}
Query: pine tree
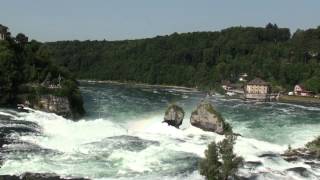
{"x": 210, "y": 166}
{"x": 231, "y": 161}
{"x": 220, "y": 162}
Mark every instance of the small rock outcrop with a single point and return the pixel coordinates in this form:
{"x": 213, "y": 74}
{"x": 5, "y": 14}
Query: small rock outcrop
{"x": 51, "y": 103}
{"x": 174, "y": 116}
{"x": 55, "y": 104}
{"x": 310, "y": 152}
{"x": 206, "y": 118}
{"x": 68, "y": 106}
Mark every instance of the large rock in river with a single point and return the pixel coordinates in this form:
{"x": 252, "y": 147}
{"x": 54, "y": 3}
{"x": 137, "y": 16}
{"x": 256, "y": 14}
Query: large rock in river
{"x": 174, "y": 116}
{"x": 206, "y": 118}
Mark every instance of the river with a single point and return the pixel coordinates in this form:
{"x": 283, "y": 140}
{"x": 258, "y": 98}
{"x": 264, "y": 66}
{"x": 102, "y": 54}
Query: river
{"x": 123, "y": 137}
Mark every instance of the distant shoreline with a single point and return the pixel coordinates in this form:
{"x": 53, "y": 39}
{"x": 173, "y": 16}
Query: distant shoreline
{"x": 283, "y": 98}
{"x": 299, "y": 100}
{"x": 137, "y": 84}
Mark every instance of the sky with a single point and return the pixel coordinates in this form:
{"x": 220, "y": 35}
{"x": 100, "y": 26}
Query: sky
{"x": 52, "y": 20}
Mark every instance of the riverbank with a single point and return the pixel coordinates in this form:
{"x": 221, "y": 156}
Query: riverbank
{"x": 282, "y": 99}
{"x": 138, "y": 84}
{"x": 299, "y": 100}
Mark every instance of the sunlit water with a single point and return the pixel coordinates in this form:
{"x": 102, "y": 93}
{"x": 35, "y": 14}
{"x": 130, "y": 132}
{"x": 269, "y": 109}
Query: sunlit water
{"x": 123, "y": 137}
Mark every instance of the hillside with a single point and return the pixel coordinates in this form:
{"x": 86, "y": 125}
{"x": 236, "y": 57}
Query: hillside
{"x": 201, "y": 59}
{"x": 28, "y": 77}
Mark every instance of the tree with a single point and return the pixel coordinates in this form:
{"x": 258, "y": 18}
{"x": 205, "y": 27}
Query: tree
{"x": 201, "y": 59}
{"x": 271, "y": 26}
{"x": 23, "y": 66}
{"x": 231, "y": 161}
{"x": 220, "y": 162}
{"x": 210, "y": 167}
{"x": 21, "y": 39}
{"x": 313, "y": 84}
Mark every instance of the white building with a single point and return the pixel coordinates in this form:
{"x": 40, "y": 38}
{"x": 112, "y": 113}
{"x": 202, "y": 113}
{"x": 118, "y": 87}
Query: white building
{"x": 257, "y": 89}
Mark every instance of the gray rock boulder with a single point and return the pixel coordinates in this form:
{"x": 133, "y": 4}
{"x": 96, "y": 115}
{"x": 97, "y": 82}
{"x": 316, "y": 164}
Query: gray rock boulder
{"x": 207, "y": 118}
{"x": 174, "y": 116}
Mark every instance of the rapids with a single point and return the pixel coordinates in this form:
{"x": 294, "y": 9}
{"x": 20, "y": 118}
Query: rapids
{"x": 122, "y": 136}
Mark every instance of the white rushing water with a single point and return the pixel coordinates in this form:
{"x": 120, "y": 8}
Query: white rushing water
{"x": 144, "y": 148}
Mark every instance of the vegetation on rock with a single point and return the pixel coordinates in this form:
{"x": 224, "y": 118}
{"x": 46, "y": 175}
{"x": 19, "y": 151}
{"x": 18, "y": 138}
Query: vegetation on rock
{"x": 314, "y": 146}
{"x": 310, "y": 151}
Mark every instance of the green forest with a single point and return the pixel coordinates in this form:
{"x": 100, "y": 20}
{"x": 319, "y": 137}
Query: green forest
{"x": 24, "y": 67}
{"x": 199, "y": 59}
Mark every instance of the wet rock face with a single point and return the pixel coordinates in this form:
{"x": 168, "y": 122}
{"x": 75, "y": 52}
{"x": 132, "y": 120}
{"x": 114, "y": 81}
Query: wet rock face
{"x": 53, "y": 104}
{"x": 174, "y": 116}
{"x": 302, "y": 155}
{"x": 207, "y": 119}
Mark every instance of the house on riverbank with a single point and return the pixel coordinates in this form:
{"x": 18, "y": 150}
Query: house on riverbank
{"x": 300, "y": 90}
{"x": 257, "y": 89}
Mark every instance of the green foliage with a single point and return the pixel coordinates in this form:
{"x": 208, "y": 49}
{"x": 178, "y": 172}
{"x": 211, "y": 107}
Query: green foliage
{"x": 24, "y": 66}
{"x": 313, "y": 84}
{"x": 220, "y": 162}
{"x": 21, "y": 39}
{"x": 230, "y": 161}
{"x": 314, "y": 146}
{"x": 70, "y": 90}
{"x": 210, "y": 167}
{"x": 200, "y": 59}
{"x": 227, "y": 128}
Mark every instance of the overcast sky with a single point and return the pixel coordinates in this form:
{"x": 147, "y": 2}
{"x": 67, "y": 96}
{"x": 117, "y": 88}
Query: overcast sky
{"x": 51, "y": 20}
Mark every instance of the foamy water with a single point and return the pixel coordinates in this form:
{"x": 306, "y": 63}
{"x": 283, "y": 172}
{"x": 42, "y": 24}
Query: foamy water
{"x": 140, "y": 146}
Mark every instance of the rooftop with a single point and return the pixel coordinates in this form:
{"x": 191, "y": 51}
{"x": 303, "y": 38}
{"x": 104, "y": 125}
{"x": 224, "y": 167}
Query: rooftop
{"x": 257, "y": 81}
